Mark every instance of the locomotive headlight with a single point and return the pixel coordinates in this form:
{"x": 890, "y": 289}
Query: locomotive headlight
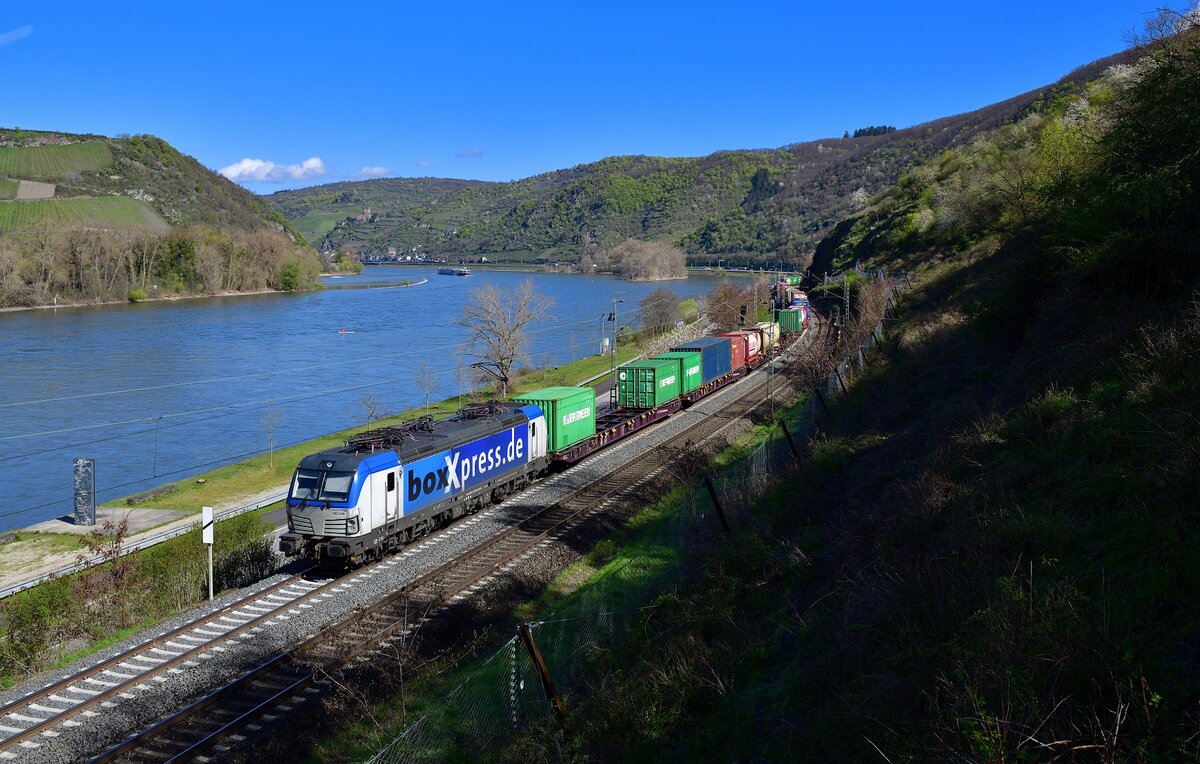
{"x": 352, "y": 526}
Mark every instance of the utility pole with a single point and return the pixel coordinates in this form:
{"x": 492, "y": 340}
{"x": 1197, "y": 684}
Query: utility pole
{"x": 846, "y": 296}
{"x": 612, "y": 367}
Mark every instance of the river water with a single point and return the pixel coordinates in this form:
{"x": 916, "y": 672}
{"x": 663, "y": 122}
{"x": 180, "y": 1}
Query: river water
{"x": 158, "y": 391}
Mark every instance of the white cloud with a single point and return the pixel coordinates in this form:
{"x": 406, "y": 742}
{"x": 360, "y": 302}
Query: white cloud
{"x": 373, "y": 172}
{"x": 262, "y": 171}
{"x": 471, "y": 153}
{"x": 424, "y": 163}
{"x": 8, "y": 38}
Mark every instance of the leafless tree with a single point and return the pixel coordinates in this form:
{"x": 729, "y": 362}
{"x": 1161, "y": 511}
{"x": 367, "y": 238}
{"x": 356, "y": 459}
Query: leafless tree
{"x": 426, "y": 380}
{"x": 369, "y": 408}
{"x": 725, "y": 304}
{"x": 496, "y": 319}
{"x": 659, "y": 310}
{"x": 270, "y": 420}
{"x": 636, "y": 259}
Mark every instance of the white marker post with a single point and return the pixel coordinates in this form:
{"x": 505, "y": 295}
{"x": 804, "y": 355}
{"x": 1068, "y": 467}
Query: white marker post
{"x": 206, "y": 535}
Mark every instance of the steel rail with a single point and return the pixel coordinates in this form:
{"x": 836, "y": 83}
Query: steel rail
{"x": 536, "y": 528}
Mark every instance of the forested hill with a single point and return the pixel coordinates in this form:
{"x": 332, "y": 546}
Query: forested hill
{"x": 759, "y": 204}
{"x": 135, "y": 181}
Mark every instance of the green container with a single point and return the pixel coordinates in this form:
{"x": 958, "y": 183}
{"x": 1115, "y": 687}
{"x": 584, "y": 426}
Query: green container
{"x": 649, "y": 383}
{"x": 691, "y": 371}
{"x": 790, "y": 321}
{"x": 570, "y": 414}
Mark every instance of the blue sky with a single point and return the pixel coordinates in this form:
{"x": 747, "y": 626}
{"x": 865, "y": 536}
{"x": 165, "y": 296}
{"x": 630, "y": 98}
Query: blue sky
{"x": 290, "y": 95}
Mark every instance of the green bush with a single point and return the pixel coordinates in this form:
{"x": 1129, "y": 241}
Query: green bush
{"x": 137, "y": 294}
{"x": 289, "y": 279}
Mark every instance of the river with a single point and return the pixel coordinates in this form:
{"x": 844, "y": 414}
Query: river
{"x": 158, "y": 391}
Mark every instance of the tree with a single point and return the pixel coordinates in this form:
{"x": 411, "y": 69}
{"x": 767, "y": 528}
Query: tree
{"x": 496, "y": 319}
{"x": 270, "y": 420}
{"x": 426, "y": 380}
{"x": 647, "y": 260}
{"x": 725, "y": 304}
{"x": 659, "y": 310}
{"x": 370, "y": 408}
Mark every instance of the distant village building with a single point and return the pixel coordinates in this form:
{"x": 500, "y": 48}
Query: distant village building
{"x": 392, "y": 252}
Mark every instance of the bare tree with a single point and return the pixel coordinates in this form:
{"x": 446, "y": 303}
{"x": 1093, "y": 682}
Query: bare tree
{"x": 725, "y": 305}
{"x": 636, "y": 259}
{"x": 270, "y": 420}
{"x": 369, "y": 408}
{"x": 496, "y": 319}
{"x": 659, "y": 310}
{"x": 426, "y": 380}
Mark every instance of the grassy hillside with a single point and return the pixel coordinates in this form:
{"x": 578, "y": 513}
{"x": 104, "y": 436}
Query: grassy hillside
{"x": 755, "y": 205}
{"x": 54, "y": 161}
{"x": 120, "y": 211}
{"x": 85, "y": 218}
{"x": 992, "y": 556}
{"x": 179, "y": 189}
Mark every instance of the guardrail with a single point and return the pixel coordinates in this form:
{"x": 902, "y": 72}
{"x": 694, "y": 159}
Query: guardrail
{"x": 133, "y": 546}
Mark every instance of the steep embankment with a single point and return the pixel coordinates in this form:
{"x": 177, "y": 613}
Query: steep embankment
{"x": 992, "y": 555}
{"x": 759, "y": 204}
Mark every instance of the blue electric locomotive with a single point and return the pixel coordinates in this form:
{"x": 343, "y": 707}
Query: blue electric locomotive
{"x": 393, "y": 484}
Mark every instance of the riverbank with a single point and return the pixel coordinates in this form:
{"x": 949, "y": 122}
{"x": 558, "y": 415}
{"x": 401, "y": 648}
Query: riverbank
{"x": 160, "y": 299}
{"x": 173, "y": 298}
{"x": 53, "y": 545}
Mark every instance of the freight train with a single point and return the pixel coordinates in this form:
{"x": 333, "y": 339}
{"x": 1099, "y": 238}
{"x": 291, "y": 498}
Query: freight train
{"x": 390, "y": 485}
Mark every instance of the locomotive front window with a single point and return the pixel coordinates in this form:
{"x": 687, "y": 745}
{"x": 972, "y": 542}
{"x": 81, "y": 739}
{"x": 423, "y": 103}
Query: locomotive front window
{"x": 337, "y": 486}
{"x": 307, "y": 485}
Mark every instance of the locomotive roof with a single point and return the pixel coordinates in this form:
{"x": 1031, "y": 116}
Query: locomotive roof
{"x": 418, "y": 443}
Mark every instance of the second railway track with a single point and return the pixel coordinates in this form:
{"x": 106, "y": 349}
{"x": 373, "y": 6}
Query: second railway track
{"x": 259, "y": 696}
{"x": 256, "y": 696}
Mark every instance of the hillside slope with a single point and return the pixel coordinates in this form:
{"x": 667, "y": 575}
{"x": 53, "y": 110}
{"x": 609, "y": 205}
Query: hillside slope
{"x": 999, "y": 533}
{"x": 758, "y": 205}
{"x": 176, "y": 188}
{"x": 84, "y": 218}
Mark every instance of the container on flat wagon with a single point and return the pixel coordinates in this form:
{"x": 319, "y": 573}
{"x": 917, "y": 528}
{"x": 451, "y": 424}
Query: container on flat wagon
{"x": 750, "y": 341}
{"x": 691, "y": 371}
{"x": 648, "y": 383}
{"x": 768, "y": 332}
{"x": 715, "y": 356}
{"x": 570, "y": 414}
{"x": 791, "y": 321}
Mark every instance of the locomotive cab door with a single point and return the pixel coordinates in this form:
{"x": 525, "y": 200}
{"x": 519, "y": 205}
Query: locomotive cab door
{"x": 537, "y": 438}
{"x": 392, "y": 495}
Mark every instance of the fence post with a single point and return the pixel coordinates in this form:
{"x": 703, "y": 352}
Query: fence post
{"x": 535, "y": 655}
{"x": 712, "y": 492}
{"x": 788, "y": 435}
{"x": 841, "y": 381}
{"x": 824, "y": 405}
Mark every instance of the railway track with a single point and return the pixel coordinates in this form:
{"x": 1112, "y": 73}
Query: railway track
{"x": 277, "y": 686}
{"x": 106, "y": 682}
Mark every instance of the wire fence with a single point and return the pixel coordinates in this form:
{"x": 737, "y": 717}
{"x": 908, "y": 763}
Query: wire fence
{"x": 507, "y": 707}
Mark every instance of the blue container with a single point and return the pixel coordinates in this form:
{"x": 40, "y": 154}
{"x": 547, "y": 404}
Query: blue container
{"x": 715, "y": 354}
